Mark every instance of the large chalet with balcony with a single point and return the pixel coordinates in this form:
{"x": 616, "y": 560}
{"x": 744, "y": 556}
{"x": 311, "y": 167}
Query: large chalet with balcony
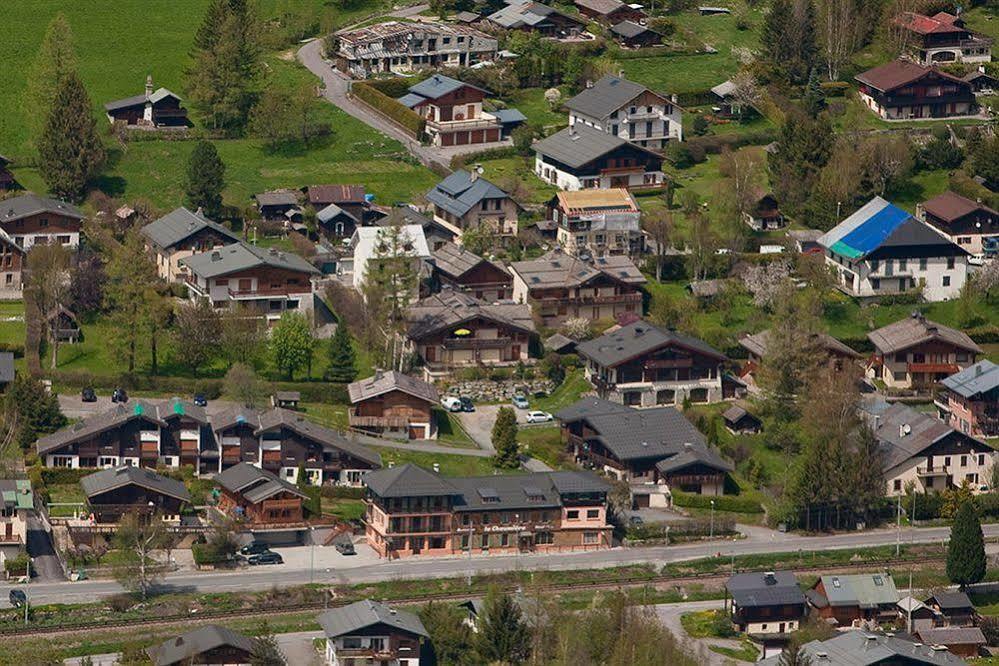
{"x": 583, "y": 157}
{"x": 266, "y": 282}
{"x": 394, "y": 405}
{"x": 943, "y": 38}
{"x": 460, "y": 269}
{"x": 916, "y": 353}
{"x": 903, "y": 90}
{"x": 766, "y": 605}
{"x": 453, "y": 112}
{"x": 464, "y": 201}
{"x": 118, "y": 491}
{"x": 412, "y": 511}
{"x": 560, "y": 287}
{"x": 643, "y": 365}
{"x": 965, "y": 222}
{"x": 28, "y": 219}
{"x": 970, "y": 400}
{"x": 450, "y": 330}
{"x": 627, "y": 110}
{"x": 258, "y": 497}
{"x": 180, "y": 234}
{"x": 370, "y": 632}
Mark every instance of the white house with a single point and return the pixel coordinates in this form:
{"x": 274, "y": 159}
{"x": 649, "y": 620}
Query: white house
{"x": 369, "y": 632}
{"x": 626, "y": 109}
{"x": 369, "y": 243}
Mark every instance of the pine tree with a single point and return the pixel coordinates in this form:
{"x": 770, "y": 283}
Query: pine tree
{"x": 70, "y": 151}
{"x": 130, "y": 274}
{"x": 803, "y": 147}
{"x": 31, "y": 410}
{"x": 504, "y": 439}
{"x": 390, "y": 283}
{"x": 966, "y": 550}
{"x": 814, "y": 100}
{"x": 56, "y": 59}
{"x": 803, "y": 41}
{"x": 775, "y": 36}
{"x": 205, "y": 180}
{"x": 503, "y": 635}
{"x": 342, "y": 367}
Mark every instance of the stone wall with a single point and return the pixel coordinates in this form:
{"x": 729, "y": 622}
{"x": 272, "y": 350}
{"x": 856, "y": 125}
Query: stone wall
{"x": 487, "y": 390}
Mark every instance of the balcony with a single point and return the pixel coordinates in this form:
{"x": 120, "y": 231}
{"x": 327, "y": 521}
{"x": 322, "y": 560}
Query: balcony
{"x": 933, "y": 368}
{"x": 476, "y": 343}
{"x": 655, "y": 364}
{"x": 362, "y": 421}
{"x": 927, "y": 471}
{"x": 463, "y": 125}
{"x": 613, "y": 171}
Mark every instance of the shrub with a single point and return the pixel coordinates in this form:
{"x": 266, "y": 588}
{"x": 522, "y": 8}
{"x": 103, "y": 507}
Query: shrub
{"x": 120, "y": 603}
{"x": 16, "y": 566}
{"x": 834, "y": 88}
{"x": 700, "y": 125}
{"x": 390, "y": 108}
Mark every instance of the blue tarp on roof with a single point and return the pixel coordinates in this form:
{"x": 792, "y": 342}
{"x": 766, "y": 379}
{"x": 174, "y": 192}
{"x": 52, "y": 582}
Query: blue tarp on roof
{"x": 865, "y": 235}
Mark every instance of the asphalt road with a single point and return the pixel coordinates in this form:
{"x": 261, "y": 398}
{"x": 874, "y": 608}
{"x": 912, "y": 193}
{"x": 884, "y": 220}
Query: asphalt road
{"x": 444, "y": 567}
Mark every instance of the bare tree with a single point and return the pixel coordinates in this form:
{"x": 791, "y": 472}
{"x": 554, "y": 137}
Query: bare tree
{"x": 658, "y": 224}
{"x": 766, "y": 282}
{"x": 839, "y": 32}
{"x": 747, "y": 92}
{"x": 137, "y": 538}
{"x": 888, "y": 159}
{"x": 48, "y": 288}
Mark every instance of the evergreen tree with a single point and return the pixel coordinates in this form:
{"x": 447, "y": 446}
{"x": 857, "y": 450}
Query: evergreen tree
{"x": 342, "y": 367}
{"x": 504, "y": 439}
{"x": 814, "y": 100}
{"x": 291, "y": 344}
{"x": 56, "y": 59}
{"x": 131, "y": 273}
{"x": 452, "y": 639}
{"x": 266, "y": 651}
{"x": 69, "y": 149}
{"x": 205, "y": 180}
{"x": 803, "y": 147}
{"x": 966, "y": 550}
{"x": 30, "y": 410}
{"x": 776, "y": 36}
{"x": 503, "y": 635}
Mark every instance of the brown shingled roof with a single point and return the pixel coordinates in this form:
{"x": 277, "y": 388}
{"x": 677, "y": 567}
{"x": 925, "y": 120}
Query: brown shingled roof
{"x": 898, "y": 73}
{"x": 950, "y": 206}
{"x": 336, "y": 193}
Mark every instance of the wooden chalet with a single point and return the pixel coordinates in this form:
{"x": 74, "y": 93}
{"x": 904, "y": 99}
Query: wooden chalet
{"x": 28, "y": 219}
{"x": 393, "y": 404}
{"x": 610, "y": 12}
{"x": 764, "y": 215}
{"x": 64, "y": 326}
{"x": 180, "y": 234}
{"x": 635, "y": 35}
{"x": 847, "y": 600}
{"x": 903, "y": 90}
{"x": 916, "y": 353}
{"x": 837, "y": 355}
{"x": 208, "y": 644}
{"x": 257, "y": 497}
{"x": 462, "y": 270}
{"x": 153, "y": 108}
{"x": 116, "y": 492}
{"x": 370, "y": 632}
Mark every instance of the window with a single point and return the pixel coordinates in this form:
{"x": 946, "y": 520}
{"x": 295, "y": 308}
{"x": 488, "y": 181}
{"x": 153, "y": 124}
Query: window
{"x": 63, "y": 240}
{"x": 946, "y": 461}
{"x": 875, "y": 283}
{"x": 922, "y": 264}
{"x": 946, "y": 280}
{"x": 572, "y": 514}
{"x": 964, "y": 461}
{"x": 504, "y": 540}
{"x": 592, "y": 514}
{"x": 950, "y": 263}
{"x": 874, "y": 266}
{"x": 544, "y": 538}
{"x": 590, "y": 538}
{"x": 903, "y": 264}
{"x": 632, "y": 398}
{"x": 351, "y": 642}
{"x": 981, "y": 459}
{"x": 897, "y": 485}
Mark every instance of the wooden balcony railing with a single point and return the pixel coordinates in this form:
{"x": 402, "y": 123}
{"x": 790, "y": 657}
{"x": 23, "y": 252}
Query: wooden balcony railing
{"x": 476, "y": 343}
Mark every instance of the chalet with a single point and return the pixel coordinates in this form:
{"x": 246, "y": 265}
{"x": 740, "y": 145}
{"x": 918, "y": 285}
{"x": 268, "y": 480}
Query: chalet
{"x": 560, "y": 344}
{"x": 412, "y": 511}
{"x": 64, "y": 325}
{"x": 404, "y": 47}
{"x": 598, "y": 223}
{"x": 278, "y": 205}
{"x": 452, "y": 329}
{"x": 12, "y": 264}
{"x": 856, "y": 648}
{"x": 118, "y": 491}
{"x": 837, "y": 355}
{"x": 643, "y": 365}
{"x": 561, "y": 287}
{"x": 966, "y": 642}
{"x": 341, "y": 208}
{"x": 882, "y": 250}
{"x": 393, "y": 404}
{"x": 610, "y": 12}
{"x": 916, "y": 353}
{"x": 943, "y": 38}
{"x": 530, "y": 16}
{"x": 208, "y": 644}
{"x": 727, "y": 103}
{"x": 265, "y": 282}
{"x": 179, "y": 234}
{"x": 850, "y": 600}
{"x": 766, "y": 605}
{"x": 981, "y": 82}
{"x": 955, "y": 608}
{"x": 903, "y": 90}
{"x": 7, "y": 181}
{"x": 371, "y": 632}
{"x": 453, "y": 111}
{"x": 153, "y": 108}
{"x": 370, "y": 244}
{"x": 581, "y": 157}
{"x": 965, "y": 222}
{"x": 435, "y": 233}
{"x": 635, "y": 35}
{"x": 916, "y": 615}
{"x": 464, "y": 200}
{"x": 764, "y": 214}
{"x": 459, "y": 269}
{"x": 738, "y": 421}
{"x": 625, "y": 109}
{"x": 643, "y": 446}
{"x": 16, "y": 502}
{"x": 28, "y": 219}
{"x": 259, "y": 497}
{"x": 970, "y": 400}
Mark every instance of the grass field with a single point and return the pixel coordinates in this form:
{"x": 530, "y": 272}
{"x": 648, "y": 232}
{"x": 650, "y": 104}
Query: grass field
{"x": 12, "y": 321}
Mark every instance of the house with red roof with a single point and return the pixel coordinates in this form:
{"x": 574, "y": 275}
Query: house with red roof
{"x": 904, "y": 90}
{"x": 965, "y": 221}
{"x": 942, "y": 38}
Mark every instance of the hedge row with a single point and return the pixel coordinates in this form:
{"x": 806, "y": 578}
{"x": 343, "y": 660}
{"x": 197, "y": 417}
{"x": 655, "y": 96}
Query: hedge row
{"x": 722, "y": 502}
{"x": 835, "y": 88}
{"x": 394, "y": 87}
{"x": 459, "y": 161}
{"x": 714, "y": 144}
{"x": 390, "y": 108}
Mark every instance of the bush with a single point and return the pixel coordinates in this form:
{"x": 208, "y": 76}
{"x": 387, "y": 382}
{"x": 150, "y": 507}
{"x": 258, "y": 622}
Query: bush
{"x": 834, "y": 88}
{"x": 16, "y": 566}
{"x": 390, "y": 108}
{"x": 342, "y": 492}
{"x": 63, "y": 476}
{"x": 722, "y": 502}
{"x": 700, "y": 125}
{"x": 503, "y": 152}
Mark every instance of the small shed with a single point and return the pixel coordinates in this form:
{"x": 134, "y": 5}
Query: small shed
{"x": 706, "y": 289}
{"x": 955, "y": 607}
{"x": 64, "y": 326}
{"x": 765, "y": 214}
{"x": 915, "y": 615}
{"x": 560, "y": 344}
{"x": 286, "y": 399}
{"x": 740, "y": 422}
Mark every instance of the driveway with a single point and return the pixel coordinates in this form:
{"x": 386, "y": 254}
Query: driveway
{"x": 669, "y": 615}
{"x": 42, "y": 552}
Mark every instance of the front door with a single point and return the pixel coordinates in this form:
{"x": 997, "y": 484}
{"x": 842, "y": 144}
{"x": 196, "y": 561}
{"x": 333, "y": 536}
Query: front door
{"x": 514, "y": 352}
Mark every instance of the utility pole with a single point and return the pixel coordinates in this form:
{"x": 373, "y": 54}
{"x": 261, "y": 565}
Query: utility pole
{"x": 712, "y": 531}
{"x": 898, "y": 535}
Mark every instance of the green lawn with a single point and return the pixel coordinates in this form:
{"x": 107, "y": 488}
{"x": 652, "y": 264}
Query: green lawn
{"x": 345, "y": 509}
{"x": 545, "y": 444}
{"x": 450, "y": 432}
{"x": 502, "y": 171}
{"x": 69, "y": 493}
{"x": 707, "y": 624}
{"x": 565, "y": 394}
{"x": 531, "y": 102}
{"x": 12, "y": 322}
{"x": 450, "y": 465}
{"x": 746, "y": 651}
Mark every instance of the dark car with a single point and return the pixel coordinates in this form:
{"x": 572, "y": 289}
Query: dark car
{"x": 17, "y": 598}
{"x": 88, "y": 395}
{"x": 266, "y": 557}
{"x": 345, "y": 548}
{"x": 636, "y": 520}
{"x": 200, "y": 400}
{"x": 119, "y": 395}
{"x": 466, "y": 404}
{"x": 254, "y": 548}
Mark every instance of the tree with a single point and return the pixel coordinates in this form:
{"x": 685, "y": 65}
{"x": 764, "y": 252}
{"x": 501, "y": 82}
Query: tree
{"x": 658, "y": 224}
{"x": 48, "y": 287}
{"x": 265, "y": 648}
{"x": 136, "y": 540}
{"x": 522, "y": 138}
{"x": 284, "y": 116}
{"x": 840, "y": 33}
{"x": 389, "y": 285}
{"x": 86, "y": 284}
{"x": 70, "y": 152}
{"x": 30, "y": 410}
{"x": 577, "y": 328}
{"x": 503, "y": 635}
{"x": 205, "y": 180}
{"x": 793, "y": 655}
{"x": 196, "y": 330}
{"x": 342, "y": 366}
{"x": 242, "y": 385}
{"x": 242, "y": 334}
{"x": 158, "y": 314}
{"x": 451, "y": 638}
{"x": 131, "y": 273}
{"x": 767, "y": 282}
{"x": 740, "y": 189}
{"x": 814, "y": 100}
{"x": 966, "y": 549}
{"x": 504, "y": 439}
{"x": 291, "y": 343}
{"x": 983, "y": 158}
{"x": 56, "y": 59}
{"x": 802, "y": 148}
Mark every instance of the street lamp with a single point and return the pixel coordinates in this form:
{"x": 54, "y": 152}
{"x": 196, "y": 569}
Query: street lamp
{"x": 312, "y": 552}
{"x": 712, "y": 533}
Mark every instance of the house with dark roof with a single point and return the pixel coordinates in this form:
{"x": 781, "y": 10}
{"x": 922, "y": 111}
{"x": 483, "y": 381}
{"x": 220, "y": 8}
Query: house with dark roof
{"x": 413, "y": 511}
{"x": 179, "y": 234}
{"x": 767, "y": 605}
{"x": 208, "y": 644}
{"x": 118, "y": 491}
{"x": 434, "y": 233}
{"x": 848, "y": 600}
{"x": 610, "y": 12}
{"x": 582, "y": 157}
{"x": 982, "y": 82}
{"x": 643, "y": 365}
{"x": 257, "y": 497}
{"x": 739, "y": 421}
{"x": 916, "y": 353}
{"x": 625, "y": 109}
{"x": 460, "y": 269}
{"x": 28, "y": 219}
{"x": 864, "y": 648}
{"x": 394, "y": 405}
{"x": 965, "y": 222}
{"x": 152, "y": 109}
{"x": 632, "y": 35}
{"x": 904, "y": 90}
{"x": 531, "y": 16}
{"x": 920, "y": 450}
{"x": 943, "y": 38}
{"x": 559, "y": 287}
{"x": 341, "y": 208}
{"x": 970, "y": 400}
{"x": 17, "y": 501}
{"x": 453, "y": 112}
{"x": 882, "y": 250}
{"x": 464, "y": 200}
{"x": 264, "y": 282}
{"x": 955, "y": 608}
{"x": 764, "y": 213}
{"x": 372, "y": 632}
{"x": 965, "y": 642}
{"x": 278, "y": 205}
{"x": 598, "y": 223}
{"x": 656, "y": 446}
{"x": 834, "y": 354}
{"x": 451, "y": 329}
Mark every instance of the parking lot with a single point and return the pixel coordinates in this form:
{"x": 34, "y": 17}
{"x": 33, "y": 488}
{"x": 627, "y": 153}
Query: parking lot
{"x": 324, "y": 558}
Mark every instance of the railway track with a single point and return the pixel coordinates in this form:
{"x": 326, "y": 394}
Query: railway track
{"x": 272, "y": 611}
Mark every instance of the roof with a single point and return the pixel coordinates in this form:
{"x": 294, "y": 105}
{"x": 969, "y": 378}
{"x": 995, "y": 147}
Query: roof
{"x": 765, "y": 589}
{"x": 384, "y": 382}
{"x": 345, "y": 620}
{"x": 508, "y": 116}
{"x": 6, "y": 367}
{"x": 448, "y": 309}
{"x": 631, "y": 29}
{"x": 940, "y": 23}
{"x": 365, "y": 240}
{"x": 439, "y": 85}
{"x": 180, "y": 224}
{"x": 288, "y": 396}
{"x": 577, "y": 202}
{"x": 277, "y": 198}
{"x": 580, "y": 144}
{"x": 977, "y": 379}
{"x": 725, "y": 88}
{"x": 466, "y": 17}
{"x": 327, "y": 437}
{"x": 525, "y": 13}
{"x": 242, "y": 256}
{"x": 860, "y": 648}
{"x": 460, "y": 192}
{"x": 331, "y": 212}
{"x": 758, "y": 343}
{"x": 182, "y": 648}
{"x": 255, "y": 484}
{"x": 898, "y": 73}
{"x": 952, "y": 636}
{"x": 863, "y": 590}
{"x": 16, "y": 493}
{"x": 603, "y": 7}
{"x": 318, "y": 194}
{"x": 903, "y": 433}
{"x": 917, "y": 329}
{"x": 407, "y": 481}
{"x": 107, "y": 480}
{"x": 455, "y": 260}
{"x": 736, "y": 413}
{"x": 638, "y": 339}
{"x": 558, "y": 342}
{"x": 98, "y": 423}
{"x": 951, "y": 600}
{"x": 24, "y": 205}
{"x": 556, "y": 269}
{"x": 950, "y": 206}
{"x": 607, "y": 95}
{"x": 135, "y": 100}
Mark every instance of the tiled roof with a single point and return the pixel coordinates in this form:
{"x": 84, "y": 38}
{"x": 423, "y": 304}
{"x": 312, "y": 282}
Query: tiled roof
{"x": 255, "y": 484}
{"x": 916, "y": 329}
{"x": 455, "y": 260}
{"x": 179, "y": 224}
{"x": 640, "y": 338}
{"x": 760, "y": 589}
{"x": 319, "y": 194}
{"x": 242, "y": 256}
{"x": 180, "y": 649}
{"x": 118, "y": 477}
{"x": 898, "y": 73}
{"x": 360, "y": 615}
{"x": 556, "y": 269}
{"x": 952, "y": 636}
{"x": 950, "y": 206}
{"x": 940, "y": 23}
{"x": 581, "y": 144}
{"x": 904, "y": 433}
{"x": 384, "y": 382}
{"x": 407, "y": 481}
{"x": 460, "y": 192}
{"x": 98, "y": 423}
{"x": 607, "y": 95}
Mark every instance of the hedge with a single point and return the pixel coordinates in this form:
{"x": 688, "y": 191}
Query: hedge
{"x": 394, "y": 87}
{"x": 459, "y": 161}
{"x": 390, "y": 108}
{"x": 63, "y": 476}
{"x": 342, "y": 492}
{"x": 722, "y": 502}
{"x": 835, "y": 88}
{"x": 714, "y": 144}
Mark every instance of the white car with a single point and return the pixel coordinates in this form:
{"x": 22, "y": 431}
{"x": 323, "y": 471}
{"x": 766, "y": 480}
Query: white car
{"x": 538, "y": 417}
{"x": 451, "y": 403}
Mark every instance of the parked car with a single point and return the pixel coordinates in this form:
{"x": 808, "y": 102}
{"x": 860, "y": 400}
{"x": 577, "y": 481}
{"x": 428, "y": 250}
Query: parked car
{"x": 466, "y": 404}
{"x": 636, "y": 520}
{"x": 17, "y": 598}
{"x": 538, "y": 417}
{"x": 254, "y": 548}
{"x": 345, "y": 548}
{"x": 88, "y": 395}
{"x": 266, "y": 557}
{"x": 520, "y": 402}
{"x": 200, "y": 400}
{"x": 451, "y": 403}
{"x": 119, "y": 395}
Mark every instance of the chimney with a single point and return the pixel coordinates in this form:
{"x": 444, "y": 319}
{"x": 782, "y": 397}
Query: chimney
{"x": 589, "y": 83}
{"x": 769, "y": 578}
{"x": 474, "y": 173}
{"x": 216, "y": 256}
{"x": 378, "y": 374}
{"x": 200, "y": 211}
{"x": 149, "y": 85}
{"x": 437, "y": 468}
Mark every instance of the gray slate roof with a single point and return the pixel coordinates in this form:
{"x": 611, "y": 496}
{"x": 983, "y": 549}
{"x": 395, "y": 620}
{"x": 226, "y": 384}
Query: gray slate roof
{"x": 977, "y": 379}
{"x": 294, "y": 421}
{"x": 507, "y": 116}
{"x": 407, "y": 481}
{"x": 345, "y": 620}
{"x": 6, "y": 367}
{"x": 331, "y": 212}
{"x": 915, "y": 330}
{"x": 757, "y": 589}
{"x": 952, "y": 636}
{"x": 98, "y": 423}
{"x": 181, "y": 648}
{"x": 860, "y": 648}
{"x": 439, "y": 85}
{"x": 556, "y": 269}
{"x": 383, "y": 382}
{"x": 460, "y": 193}
{"x": 580, "y": 144}
{"x": 922, "y": 430}
{"x": 757, "y": 344}
{"x": 135, "y": 100}
{"x": 277, "y": 198}
{"x": 863, "y": 590}
{"x": 630, "y": 29}
{"x": 637, "y": 339}
{"x": 607, "y": 95}
{"x": 118, "y": 477}
{"x": 254, "y": 483}
{"x": 24, "y": 205}
{"x": 179, "y": 224}
{"x": 454, "y": 260}
{"x": 449, "y": 308}
{"x": 521, "y": 13}
{"x": 242, "y": 256}
{"x": 948, "y": 600}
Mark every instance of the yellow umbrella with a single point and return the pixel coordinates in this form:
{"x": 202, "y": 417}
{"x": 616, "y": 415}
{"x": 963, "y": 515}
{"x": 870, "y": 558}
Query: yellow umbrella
{"x": 463, "y": 331}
